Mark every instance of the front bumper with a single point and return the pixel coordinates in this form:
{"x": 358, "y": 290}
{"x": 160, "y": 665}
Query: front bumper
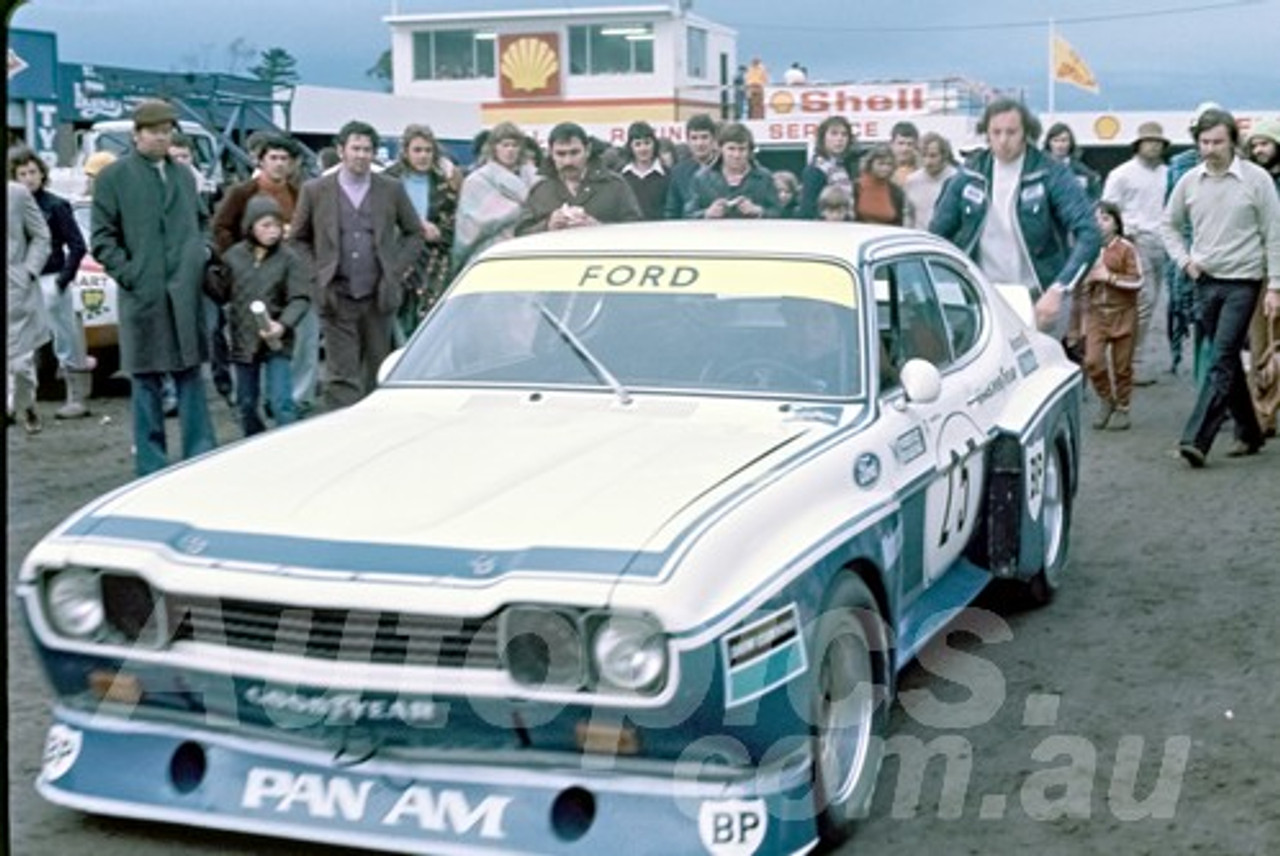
{"x": 439, "y": 805}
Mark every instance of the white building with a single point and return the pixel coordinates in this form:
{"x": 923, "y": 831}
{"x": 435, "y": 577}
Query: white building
{"x": 589, "y": 65}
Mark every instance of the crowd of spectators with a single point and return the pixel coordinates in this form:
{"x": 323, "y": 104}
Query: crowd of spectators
{"x": 361, "y": 254}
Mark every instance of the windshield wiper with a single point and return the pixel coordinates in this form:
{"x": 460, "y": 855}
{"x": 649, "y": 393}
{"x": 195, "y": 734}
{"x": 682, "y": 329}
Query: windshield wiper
{"x": 584, "y": 354}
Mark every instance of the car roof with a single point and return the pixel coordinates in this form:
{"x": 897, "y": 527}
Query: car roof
{"x": 803, "y": 238}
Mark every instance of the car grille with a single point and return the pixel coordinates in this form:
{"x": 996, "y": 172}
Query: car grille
{"x": 340, "y": 635}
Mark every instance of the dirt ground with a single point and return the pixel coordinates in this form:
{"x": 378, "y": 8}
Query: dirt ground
{"x": 1137, "y": 714}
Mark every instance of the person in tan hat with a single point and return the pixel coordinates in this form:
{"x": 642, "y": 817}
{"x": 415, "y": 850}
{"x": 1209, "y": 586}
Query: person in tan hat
{"x": 146, "y": 234}
{"x": 1137, "y": 188}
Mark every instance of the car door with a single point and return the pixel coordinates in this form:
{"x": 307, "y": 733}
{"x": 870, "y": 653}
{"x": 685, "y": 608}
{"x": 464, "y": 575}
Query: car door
{"x": 938, "y": 445}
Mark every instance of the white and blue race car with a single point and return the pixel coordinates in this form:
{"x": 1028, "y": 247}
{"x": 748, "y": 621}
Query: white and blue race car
{"x": 622, "y": 556}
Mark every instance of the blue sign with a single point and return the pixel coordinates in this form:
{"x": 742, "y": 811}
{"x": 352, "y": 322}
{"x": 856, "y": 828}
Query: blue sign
{"x": 33, "y": 66}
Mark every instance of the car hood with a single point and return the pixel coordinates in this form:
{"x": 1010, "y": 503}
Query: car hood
{"x": 446, "y": 484}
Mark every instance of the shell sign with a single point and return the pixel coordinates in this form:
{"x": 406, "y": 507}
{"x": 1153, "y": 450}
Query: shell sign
{"x": 529, "y": 65}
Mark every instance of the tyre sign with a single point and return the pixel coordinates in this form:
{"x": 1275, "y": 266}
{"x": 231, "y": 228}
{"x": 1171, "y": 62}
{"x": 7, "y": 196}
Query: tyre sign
{"x": 1033, "y": 466}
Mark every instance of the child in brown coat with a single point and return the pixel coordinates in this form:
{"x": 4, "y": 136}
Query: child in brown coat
{"x": 1111, "y": 289}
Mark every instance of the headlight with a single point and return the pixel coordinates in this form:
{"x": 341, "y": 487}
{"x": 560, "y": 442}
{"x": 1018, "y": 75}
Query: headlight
{"x": 542, "y": 647}
{"x": 630, "y": 653}
{"x": 73, "y": 601}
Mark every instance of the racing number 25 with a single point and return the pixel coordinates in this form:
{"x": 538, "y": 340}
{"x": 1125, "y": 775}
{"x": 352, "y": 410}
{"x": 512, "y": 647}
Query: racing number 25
{"x": 957, "y": 498}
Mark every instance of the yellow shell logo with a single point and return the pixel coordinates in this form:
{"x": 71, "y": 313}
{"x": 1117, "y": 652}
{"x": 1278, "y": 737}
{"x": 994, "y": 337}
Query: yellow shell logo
{"x": 782, "y": 101}
{"x": 1106, "y": 127}
{"x": 529, "y": 64}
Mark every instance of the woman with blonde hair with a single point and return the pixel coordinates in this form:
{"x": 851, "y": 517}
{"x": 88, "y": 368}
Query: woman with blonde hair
{"x": 493, "y": 194}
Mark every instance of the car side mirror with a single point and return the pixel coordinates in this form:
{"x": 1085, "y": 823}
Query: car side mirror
{"x": 921, "y": 381}
{"x": 388, "y": 365}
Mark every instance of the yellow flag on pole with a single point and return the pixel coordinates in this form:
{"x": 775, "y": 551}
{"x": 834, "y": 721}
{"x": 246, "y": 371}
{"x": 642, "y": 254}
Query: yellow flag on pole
{"x": 1068, "y": 67}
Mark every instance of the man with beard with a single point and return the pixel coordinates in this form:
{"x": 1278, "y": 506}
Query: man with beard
{"x": 1264, "y": 150}
{"x": 576, "y": 191}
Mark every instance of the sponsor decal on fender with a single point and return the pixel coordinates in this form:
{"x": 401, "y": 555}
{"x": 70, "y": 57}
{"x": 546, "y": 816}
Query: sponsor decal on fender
{"x": 733, "y": 827}
{"x": 61, "y": 749}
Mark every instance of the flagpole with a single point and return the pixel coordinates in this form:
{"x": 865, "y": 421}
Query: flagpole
{"x": 1051, "y": 87}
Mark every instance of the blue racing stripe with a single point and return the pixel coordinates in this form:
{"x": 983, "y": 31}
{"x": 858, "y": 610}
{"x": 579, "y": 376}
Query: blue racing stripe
{"x": 364, "y": 556}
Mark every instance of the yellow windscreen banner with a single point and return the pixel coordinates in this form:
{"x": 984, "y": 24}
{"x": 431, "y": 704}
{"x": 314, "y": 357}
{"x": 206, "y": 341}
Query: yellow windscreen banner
{"x": 747, "y": 277}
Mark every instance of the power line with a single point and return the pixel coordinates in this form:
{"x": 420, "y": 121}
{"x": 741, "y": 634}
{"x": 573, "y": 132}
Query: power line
{"x": 1008, "y": 25}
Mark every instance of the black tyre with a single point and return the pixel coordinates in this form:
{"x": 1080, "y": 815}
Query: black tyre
{"x": 850, "y": 701}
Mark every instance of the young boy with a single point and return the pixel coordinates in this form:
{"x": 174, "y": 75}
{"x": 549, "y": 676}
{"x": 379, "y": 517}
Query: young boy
{"x": 835, "y": 204}
{"x": 261, "y": 269}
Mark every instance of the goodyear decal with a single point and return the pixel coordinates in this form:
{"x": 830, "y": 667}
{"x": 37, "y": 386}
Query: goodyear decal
{"x": 744, "y": 277}
{"x": 762, "y": 655}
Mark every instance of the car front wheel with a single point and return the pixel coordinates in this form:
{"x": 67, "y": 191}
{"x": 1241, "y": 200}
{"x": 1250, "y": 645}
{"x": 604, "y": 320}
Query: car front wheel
{"x": 850, "y": 707}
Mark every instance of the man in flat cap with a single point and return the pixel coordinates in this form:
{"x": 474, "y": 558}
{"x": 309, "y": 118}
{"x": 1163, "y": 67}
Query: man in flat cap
{"x": 1137, "y": 186}
{"x": 146, "y": 234}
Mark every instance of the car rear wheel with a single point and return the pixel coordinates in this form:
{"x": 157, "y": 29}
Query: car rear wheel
{"x": 850, "y": 707}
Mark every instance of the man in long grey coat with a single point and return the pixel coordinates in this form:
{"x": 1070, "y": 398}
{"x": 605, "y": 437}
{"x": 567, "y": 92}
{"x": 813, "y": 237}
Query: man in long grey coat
{"x": 146, "y": 234}
{"x": 29, "y": 246}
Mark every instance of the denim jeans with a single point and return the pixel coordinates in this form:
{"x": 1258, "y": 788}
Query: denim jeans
{"x": 306, "y": 359}
{"x": 1225, "y": 309}
{"x": 68, "y": 339}
{"x": 215, "y": 322}
{"x": 279, "y": 392}
{"x": 151, "y": 451}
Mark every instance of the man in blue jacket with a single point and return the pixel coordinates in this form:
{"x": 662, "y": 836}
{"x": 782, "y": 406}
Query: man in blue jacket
{"x": 1019, "y": 214}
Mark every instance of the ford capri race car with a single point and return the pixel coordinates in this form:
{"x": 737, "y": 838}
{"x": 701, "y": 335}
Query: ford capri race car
{"x": 635, "y": 534}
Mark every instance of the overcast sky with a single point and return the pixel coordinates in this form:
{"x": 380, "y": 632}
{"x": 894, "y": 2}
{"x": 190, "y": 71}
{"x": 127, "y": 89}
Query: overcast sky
{"x": 1146, "y": 54}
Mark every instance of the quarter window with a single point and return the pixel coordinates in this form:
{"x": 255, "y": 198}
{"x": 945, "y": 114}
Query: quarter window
{"x": 961, "y": 306}
{"x": 611, "y": 49}
{"x": 909, "y": 319}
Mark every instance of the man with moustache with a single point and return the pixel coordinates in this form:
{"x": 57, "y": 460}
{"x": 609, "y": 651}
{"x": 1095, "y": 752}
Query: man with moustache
{"x": 1234, "y": 213}
{"x": 576, "y": 191}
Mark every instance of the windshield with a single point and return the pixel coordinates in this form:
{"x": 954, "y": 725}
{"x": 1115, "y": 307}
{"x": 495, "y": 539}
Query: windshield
{"x": 752, "y": 327}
